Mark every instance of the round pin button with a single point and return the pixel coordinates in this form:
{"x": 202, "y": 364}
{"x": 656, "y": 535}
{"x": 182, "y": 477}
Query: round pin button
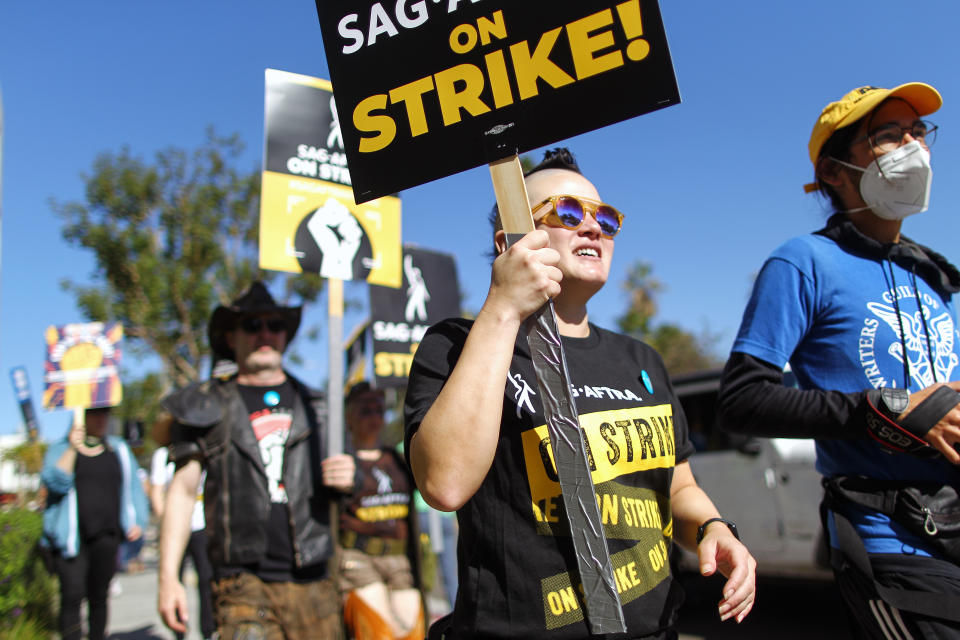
{"x": 645, "y": 377}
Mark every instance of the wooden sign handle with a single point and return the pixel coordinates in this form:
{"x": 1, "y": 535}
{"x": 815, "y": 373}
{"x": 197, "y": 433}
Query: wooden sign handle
{"x": 511, "y": 192}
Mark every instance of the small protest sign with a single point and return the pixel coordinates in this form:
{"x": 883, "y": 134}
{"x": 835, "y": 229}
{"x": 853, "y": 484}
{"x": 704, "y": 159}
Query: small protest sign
{"x": 82, "y": 368}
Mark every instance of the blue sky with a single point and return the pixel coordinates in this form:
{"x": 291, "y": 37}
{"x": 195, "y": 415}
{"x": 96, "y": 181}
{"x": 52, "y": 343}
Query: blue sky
{"x": 709, "y": 186}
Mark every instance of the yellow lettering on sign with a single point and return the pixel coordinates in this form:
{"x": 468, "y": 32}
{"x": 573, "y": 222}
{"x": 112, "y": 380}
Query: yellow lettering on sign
{"x": 387, "y": 364}
{"x": 583, "y": 45}
{"x": 392, "y": 364}
{"x": 366, "y": 121}
{"x": 496, "y": 28}
{"x": 590, "y": 44}
{"x": 529, "y": 68}
{"x": 630, "y": 18}
{"x": 463, "y": 38}
{"x": 452, "y": 100}
{"x": 499, "y": 79}
{"x": 411, "y": 95}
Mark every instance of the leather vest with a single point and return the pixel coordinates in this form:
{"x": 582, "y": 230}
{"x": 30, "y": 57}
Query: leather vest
{"x": 211, "y": 423}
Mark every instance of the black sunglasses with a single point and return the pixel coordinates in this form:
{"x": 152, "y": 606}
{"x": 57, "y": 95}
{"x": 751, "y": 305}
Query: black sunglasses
{"x": 253, "y": 324}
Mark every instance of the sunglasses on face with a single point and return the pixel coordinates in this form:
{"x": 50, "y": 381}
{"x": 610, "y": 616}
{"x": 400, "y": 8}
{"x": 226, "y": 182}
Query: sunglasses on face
{"x": 253, "y": 324}
{"x": 569, "y": 212}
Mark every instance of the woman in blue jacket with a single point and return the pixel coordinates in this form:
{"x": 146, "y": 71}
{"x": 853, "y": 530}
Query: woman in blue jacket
{"x": 94, "y": 501}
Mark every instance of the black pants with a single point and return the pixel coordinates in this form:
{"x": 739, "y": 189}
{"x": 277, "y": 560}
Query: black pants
{"x": 873, "y": 618}
{"x": 197, "y": 552}
{"x": 87, "y": 576}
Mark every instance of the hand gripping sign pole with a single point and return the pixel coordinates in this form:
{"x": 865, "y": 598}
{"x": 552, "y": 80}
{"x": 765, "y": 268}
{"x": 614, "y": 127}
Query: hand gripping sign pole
{"x": 601, "y": 601}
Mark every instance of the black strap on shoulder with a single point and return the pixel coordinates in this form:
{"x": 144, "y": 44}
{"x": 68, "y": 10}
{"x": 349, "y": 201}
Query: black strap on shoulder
{"x": 935, "y": 605}
{"x": 931, "y": 411}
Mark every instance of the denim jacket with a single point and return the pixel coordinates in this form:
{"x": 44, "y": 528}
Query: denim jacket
{"x": 61, "y": 525}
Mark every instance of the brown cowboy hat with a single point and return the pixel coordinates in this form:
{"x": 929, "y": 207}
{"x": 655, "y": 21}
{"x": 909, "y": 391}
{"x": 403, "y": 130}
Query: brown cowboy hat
{"x": 254, "y": 301}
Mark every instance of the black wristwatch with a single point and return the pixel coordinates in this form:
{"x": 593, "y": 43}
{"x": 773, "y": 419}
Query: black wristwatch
{"x": 703, "y": 528}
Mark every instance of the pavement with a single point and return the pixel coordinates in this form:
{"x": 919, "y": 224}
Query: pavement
{"x": 133, "y": 609}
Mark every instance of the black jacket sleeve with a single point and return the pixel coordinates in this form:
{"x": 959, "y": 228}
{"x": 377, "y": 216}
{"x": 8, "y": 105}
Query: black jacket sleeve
{"x": 752, "y": 400}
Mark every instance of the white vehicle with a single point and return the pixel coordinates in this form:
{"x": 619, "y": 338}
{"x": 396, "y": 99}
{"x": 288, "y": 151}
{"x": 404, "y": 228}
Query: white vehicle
{"x": 767, "y": 486}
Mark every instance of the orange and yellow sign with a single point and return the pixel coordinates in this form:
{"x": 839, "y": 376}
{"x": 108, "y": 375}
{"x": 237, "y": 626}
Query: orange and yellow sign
{"x": 82, "y": 368}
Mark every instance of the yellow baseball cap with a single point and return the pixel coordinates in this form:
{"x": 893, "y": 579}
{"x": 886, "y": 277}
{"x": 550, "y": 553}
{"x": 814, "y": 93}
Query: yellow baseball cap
{"x": 859, "y": 102}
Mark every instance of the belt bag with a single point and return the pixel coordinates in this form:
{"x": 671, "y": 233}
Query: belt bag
{"x": 931, "y": 512}
{"x": 372, "y": 545}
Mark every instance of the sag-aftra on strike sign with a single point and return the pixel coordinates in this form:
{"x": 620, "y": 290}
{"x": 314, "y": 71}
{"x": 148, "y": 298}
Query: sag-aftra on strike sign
{"x": 427, "y": 88}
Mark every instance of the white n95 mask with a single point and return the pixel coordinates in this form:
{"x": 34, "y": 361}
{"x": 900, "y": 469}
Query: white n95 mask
{"x": 897, "y": 184}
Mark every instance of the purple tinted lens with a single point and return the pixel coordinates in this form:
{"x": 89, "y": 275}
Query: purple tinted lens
{"x": 608, "y": 220}
{"x": 570, "y": 212}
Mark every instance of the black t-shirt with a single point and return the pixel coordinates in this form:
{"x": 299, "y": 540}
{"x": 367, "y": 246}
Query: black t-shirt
{"x": 271, "y": 414}
{"x": 380, "y": 503}
{"x": 517, "y": 567}
{"x": 98, "y": 480}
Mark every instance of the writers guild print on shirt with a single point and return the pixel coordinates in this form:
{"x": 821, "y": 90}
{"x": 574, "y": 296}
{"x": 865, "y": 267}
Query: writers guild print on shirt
{"x": 271, "y": 427}
{"x": 922, "y": 334}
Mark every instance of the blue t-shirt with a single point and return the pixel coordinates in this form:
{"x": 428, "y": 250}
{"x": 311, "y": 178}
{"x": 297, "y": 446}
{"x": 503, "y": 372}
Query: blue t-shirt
{"x": 847, "y": 322}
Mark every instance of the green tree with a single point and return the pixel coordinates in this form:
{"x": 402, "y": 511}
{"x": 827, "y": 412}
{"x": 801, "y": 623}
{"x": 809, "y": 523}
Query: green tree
{"x": 171, "y": 239}
{"x": 27, "y": 456}
{"x": 27, "y": 591}
{"x": 681, "y": 350}
{"x": 642, "y": 288}
{"x": 27, "y": 459}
